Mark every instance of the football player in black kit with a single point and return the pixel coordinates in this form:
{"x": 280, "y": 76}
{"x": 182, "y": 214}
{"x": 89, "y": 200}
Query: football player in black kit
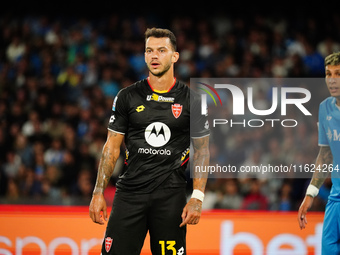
{"x": 152, "y": 116}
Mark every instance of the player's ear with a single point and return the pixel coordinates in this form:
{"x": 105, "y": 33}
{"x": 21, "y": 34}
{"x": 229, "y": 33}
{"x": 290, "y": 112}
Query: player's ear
{"x": 175, "y": 57}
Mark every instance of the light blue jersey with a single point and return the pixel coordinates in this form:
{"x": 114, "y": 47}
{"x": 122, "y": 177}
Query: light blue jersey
{"x": 329, "y": 135}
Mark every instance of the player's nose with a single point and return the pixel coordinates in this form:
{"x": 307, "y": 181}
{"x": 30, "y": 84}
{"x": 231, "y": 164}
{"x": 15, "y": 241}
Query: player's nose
{"x": 154, "y": 56}
{"x": 331, "y": 80}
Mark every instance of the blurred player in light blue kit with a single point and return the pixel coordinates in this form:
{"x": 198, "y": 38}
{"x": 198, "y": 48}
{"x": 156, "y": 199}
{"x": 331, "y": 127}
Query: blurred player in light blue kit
{"x": 328, "y": 160}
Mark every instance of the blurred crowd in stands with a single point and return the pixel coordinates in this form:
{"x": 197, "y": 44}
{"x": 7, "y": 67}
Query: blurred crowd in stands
{"x": 59, "y": 75}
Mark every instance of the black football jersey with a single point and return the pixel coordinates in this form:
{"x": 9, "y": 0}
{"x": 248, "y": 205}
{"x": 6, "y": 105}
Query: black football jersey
{"x": 157, "y": 134}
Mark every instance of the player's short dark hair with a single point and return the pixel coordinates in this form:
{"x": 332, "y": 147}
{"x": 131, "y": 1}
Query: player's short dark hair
{"x": 161, "y": 32}
{"x": 333, "y": 59}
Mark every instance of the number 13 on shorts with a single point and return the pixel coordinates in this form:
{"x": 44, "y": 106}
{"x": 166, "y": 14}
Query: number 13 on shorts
{"x": 170, "y": 247}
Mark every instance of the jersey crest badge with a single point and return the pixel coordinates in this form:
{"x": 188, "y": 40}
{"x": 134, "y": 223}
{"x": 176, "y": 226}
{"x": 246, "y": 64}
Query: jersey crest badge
{"x": 108, "y": 243}
{"x": 176, "y": 110}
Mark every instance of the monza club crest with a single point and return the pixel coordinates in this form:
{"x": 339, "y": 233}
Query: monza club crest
{"x": 108, "y": 243}
{"x": 176, "y": 110}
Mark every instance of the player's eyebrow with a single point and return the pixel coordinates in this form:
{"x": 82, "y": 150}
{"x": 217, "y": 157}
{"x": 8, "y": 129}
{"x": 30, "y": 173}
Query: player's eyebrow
{"x": 159, "y": 48}
{"x": 333, "y": 70}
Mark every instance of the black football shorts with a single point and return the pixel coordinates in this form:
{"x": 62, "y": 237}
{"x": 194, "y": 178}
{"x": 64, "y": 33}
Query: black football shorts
{"x": 133, "y": 215}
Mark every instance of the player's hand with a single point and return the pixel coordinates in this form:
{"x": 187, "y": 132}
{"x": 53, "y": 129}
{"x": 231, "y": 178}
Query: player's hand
{"x": 191, "y": 212}
{"x": 304, "y": 207}
{"x": 97, "y": 206}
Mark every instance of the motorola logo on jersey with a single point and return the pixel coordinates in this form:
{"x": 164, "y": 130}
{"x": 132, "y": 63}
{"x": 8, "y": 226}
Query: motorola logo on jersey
{"x": 157, "y": 134}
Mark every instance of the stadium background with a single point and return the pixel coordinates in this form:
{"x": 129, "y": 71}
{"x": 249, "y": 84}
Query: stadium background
{"x": 61, "y": 66}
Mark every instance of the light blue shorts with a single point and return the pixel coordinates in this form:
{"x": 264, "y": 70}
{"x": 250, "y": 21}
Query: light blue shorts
{"x": 331, "y": 229}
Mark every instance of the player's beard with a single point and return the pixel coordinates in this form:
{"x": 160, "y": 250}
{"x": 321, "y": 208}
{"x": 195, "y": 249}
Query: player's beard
{"x": 160, "y": 73}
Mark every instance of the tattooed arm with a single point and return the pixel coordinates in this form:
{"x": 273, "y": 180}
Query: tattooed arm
{"x": 110, "y": 154}
{"x": 192, "y": 211}
{"x": 324, "y": 157}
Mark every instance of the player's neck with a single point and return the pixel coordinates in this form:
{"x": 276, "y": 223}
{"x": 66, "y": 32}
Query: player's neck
{"x": 162, "y": 83}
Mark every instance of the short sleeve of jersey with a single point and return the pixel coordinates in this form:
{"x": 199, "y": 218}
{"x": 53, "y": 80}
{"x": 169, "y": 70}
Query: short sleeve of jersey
{"x": 199, "y": 125}
{"x": 322, "y": 137}
{"x": 119, "y": 118}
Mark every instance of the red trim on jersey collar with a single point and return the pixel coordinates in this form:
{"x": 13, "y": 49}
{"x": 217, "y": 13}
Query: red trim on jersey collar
{"x": 167, "y": 90}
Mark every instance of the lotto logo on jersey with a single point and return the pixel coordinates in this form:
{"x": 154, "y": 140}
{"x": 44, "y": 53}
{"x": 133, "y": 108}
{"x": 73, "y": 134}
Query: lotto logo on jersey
{"x": 112, "y": 119}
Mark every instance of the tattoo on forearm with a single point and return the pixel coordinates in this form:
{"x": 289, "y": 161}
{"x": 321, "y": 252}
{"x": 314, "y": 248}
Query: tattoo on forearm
{"x": 325, "y": 157}
{"x": 201, "y": 158}
{"x": 106, "y": 166}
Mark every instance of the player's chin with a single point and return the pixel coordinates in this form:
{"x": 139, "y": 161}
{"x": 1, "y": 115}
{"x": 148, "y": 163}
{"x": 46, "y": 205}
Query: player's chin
{"x": 156, "y": 72}
{"x": 335, "y": 94}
